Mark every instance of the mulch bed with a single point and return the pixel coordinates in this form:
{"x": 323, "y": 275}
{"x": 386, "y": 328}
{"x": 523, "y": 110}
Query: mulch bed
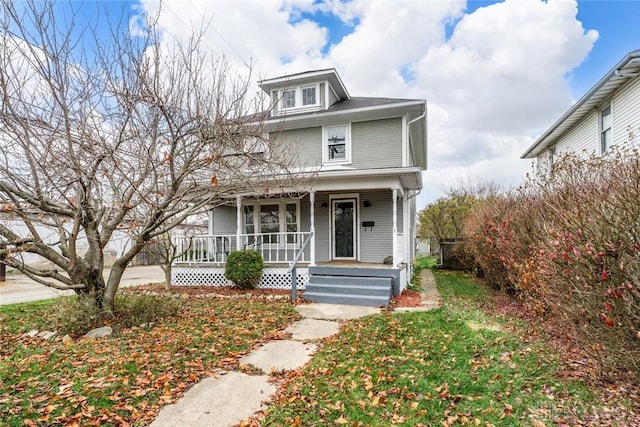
{"x": 409, "y": 298}
{"x": 158, "y": 288}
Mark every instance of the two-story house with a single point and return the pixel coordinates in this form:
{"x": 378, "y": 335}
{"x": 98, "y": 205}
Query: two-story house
{"x": 354, "y": 229}
{"x": 603, "y": 117}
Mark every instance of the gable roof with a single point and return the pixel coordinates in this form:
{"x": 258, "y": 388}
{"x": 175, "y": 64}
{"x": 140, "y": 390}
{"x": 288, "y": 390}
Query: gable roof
{"x": 313, "y": 76}
{"x": 617, "y": 77}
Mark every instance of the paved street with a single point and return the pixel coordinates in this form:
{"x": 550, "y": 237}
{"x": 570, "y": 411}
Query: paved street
{"x": 19, "y": 288}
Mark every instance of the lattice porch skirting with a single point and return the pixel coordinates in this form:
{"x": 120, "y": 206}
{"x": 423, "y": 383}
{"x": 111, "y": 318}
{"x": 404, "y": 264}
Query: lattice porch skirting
{"x": 272, "y": 278}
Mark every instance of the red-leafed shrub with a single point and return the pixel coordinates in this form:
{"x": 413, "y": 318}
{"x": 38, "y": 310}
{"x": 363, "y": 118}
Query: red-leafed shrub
{"x": 568, "y": 243}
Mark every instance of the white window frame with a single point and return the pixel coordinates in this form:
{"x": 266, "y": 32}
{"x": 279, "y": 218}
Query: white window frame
{"x": 602, "y": 130}
{"x": 282, "y": 219}
{"x": 316, "y": 88}
{"x": 347, "y": 148}
{"x": 295, "y": 99}
{"x": 332, "y": 198}
{"x": 552, "y": 156}
{"x": 298, "y": 98}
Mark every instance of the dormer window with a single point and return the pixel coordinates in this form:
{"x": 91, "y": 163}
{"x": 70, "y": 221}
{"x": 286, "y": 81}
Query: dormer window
{"x": 302, "y": 98}
{"x": 309, "y": 95}
{"x": 289, "y": 99}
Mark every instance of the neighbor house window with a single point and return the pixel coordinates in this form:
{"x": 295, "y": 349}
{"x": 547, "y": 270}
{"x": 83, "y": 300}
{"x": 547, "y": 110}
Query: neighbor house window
{"x": 309, "y": 95}
{"x": 606, "y": 134}
{"x": 271, "y": 218}
{"x": 337, "y": 144}
{"x": 289, "y": 98}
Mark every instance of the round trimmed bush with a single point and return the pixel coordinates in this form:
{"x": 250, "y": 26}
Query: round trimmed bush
{"x": 244, "y": 268}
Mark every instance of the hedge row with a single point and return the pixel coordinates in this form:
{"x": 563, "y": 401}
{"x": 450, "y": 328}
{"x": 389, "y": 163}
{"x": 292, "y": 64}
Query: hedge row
{"x": 568, "y": 243}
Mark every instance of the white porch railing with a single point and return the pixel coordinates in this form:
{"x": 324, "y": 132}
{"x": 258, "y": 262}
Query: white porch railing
{"x": 274, "y": 247}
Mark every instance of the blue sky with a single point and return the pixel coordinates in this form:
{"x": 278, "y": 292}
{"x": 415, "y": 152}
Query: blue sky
{"x": 494, "y": 74}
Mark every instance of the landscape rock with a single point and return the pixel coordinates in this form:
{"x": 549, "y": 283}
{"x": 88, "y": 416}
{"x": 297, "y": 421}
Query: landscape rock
{"x": 47, "y": 335}
{"x": 32, "y": 333}
{"x": 99, "y": 332}
{"x": 67, "y": 339}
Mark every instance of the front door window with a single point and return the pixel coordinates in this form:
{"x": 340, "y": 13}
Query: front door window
{"x": 344, "y": 226}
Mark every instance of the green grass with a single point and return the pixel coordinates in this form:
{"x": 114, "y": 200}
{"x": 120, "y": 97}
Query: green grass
{"x": 419, "y": 264}
{"x": 430, "y": 368}
{"x": 129, "y": 375}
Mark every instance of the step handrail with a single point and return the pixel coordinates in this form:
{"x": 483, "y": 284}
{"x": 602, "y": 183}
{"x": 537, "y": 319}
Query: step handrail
{"x": 293, "y": 269}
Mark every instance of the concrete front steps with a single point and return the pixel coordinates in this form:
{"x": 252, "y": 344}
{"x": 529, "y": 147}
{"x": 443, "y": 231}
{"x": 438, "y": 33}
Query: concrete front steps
{"x": 372, "y": 287}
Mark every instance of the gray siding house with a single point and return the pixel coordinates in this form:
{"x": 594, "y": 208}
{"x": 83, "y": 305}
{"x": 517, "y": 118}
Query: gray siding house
{"x": 352, "y": 231}
{"x": 605, "y": 116}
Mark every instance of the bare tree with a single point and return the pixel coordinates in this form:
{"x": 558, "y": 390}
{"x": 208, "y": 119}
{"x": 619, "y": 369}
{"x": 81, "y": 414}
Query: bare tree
{"x": 131, "y": 131}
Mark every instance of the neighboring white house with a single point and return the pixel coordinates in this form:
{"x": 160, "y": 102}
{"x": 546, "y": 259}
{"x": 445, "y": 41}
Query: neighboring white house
{"x": 357, "y": 219}
{"x": 603, "y": 117}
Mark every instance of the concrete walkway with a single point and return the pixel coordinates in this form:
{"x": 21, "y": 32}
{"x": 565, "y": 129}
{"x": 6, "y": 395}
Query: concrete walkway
{"x": 19, "y": 288}
{"x": 231, "y": 397}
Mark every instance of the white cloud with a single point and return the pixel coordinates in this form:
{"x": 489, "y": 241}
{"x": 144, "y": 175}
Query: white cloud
{"x": 492, "y": 78}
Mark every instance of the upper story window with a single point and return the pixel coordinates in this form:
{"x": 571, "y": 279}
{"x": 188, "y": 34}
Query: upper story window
{"x": 301, "y": 97}
{"x": 289, "y": 99}
{"x": 309, "y": 95}
{"x": 606, "y": 134}
{"x": 336, "y": 144}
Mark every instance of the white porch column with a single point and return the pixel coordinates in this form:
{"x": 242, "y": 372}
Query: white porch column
{"x": 394, "y": 227}
{"x": 210, "y": 222}
{"x": 312, "y": 228}
{"x": 238, "y": 222}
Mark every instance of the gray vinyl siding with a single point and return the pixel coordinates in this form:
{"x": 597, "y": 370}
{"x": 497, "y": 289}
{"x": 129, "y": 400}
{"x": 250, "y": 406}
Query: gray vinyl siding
{"x": 224, "y": 220}
{"x": 332, "y": 98}
{"x": 274, "y": 102}
{"x": 306, "y": 143}
{"x": 377, "y": 243}
{"x": 374, "y": 244}
{"x": 626, "y": 112}
{"x": 322, "y": 226}
{"x": 321, "y": 96}
{"x": 376, "y": 144}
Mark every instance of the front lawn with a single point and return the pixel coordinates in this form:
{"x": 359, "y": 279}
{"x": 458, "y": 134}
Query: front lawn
{"x": 127, "y": 377}
{"x": 456, "y": 365}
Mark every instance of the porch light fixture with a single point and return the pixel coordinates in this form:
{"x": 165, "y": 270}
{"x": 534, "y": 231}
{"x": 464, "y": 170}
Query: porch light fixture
{"x": 366, "y": 204}
{"x": 324, "y": 205}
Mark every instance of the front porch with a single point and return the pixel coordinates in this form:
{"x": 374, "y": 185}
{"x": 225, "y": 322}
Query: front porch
{"x": 352, "y": 238}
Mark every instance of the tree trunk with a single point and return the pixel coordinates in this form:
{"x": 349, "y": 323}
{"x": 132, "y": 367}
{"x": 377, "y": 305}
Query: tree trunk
{"x": 167, "y": 276}
{"x": 109, "y": 298}
{"x": 92, "y": 295}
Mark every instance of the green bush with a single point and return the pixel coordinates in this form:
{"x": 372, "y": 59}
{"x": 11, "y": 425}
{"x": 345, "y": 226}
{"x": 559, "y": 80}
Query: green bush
{"x": 75, "y": 317}
{"x": 244, "y": 268}
{"x": 134, "y": 310}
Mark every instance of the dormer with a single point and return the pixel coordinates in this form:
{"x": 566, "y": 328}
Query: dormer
{"x": 304, "y": 92}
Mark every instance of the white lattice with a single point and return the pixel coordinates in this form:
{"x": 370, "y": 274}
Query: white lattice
{"x": 272, "y": 278}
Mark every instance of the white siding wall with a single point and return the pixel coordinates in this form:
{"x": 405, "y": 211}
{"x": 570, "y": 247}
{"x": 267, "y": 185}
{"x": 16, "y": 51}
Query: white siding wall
{"x": 584, "y": 138}
{"x": 581, "y": 139}
{"x": 626, "y": 112}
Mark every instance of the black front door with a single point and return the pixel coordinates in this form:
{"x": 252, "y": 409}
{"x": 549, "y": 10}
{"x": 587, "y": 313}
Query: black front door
{"x": 344, "y": 228}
